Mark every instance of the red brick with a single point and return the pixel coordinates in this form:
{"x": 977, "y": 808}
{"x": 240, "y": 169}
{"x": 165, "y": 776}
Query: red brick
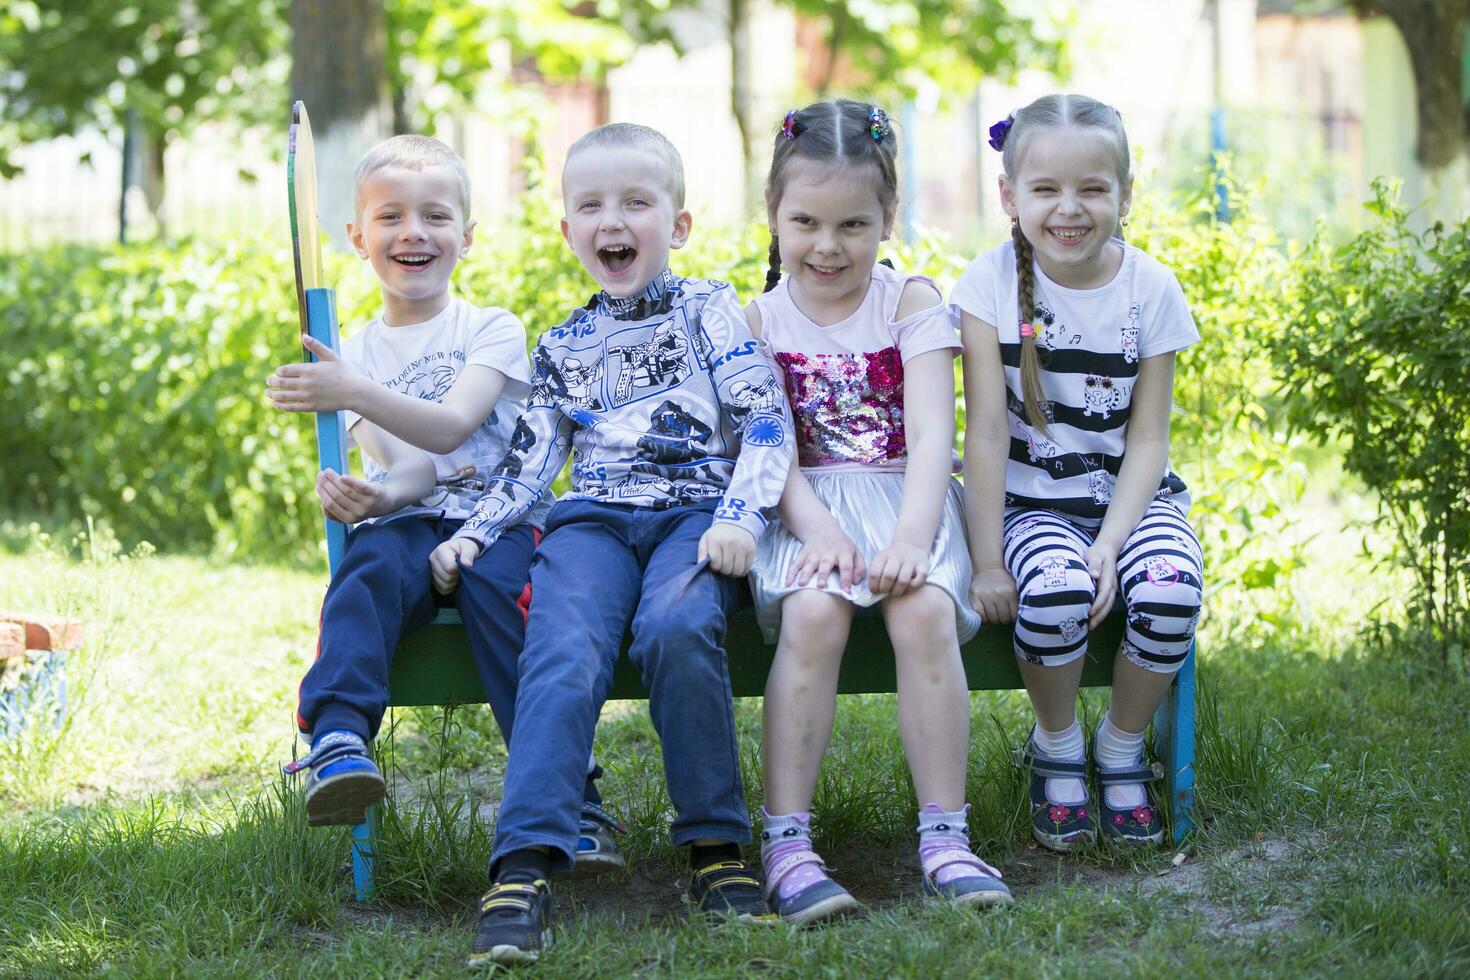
{"x": 46, "y": 632}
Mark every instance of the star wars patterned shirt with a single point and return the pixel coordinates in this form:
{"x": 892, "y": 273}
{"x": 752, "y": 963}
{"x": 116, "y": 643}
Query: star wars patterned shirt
{"x": 661, "y": 399}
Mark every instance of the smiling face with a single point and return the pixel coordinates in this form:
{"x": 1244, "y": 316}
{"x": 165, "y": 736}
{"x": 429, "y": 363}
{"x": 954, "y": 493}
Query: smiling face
{"x": 411, "y": 227}
{"x": 828, "y": 224}
{"x": 1069, "y": 198}
{"x": 621, "y": 218}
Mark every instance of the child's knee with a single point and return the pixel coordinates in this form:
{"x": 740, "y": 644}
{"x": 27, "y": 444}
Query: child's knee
{"x": 926, "y": 611}
{"x": 810, "y": 615}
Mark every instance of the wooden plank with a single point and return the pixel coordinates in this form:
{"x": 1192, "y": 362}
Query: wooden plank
{"x": 433, "y": 666}
{"x": 47, "y": 632}
{"x": 12, "y": 640}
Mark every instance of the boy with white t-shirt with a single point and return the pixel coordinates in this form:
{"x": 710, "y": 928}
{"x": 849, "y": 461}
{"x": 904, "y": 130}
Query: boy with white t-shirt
{"x": 435, "y": 372}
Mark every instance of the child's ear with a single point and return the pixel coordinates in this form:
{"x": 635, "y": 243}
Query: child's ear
{"x": 359, "y": 242}
{"x": 469, "y": 237}
{"x": 566, "y": 232}
{"x": 1007, "y": 196}
{"x": 888, "y": 218}
{"x": 1125, "y": 200}
{"x": 683, "y": 222}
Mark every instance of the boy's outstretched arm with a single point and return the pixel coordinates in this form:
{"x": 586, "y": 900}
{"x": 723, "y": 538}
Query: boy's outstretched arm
{"x": 766, "y": 440}
{"x": 331, "y": 384}
{"x": 409, "y": 478}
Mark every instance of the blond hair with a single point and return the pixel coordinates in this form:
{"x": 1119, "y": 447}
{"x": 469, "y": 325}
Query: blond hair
{"x": 1049, "y": 112}
{"x": 617, "y": 135}
{"x": 412, "y": 153}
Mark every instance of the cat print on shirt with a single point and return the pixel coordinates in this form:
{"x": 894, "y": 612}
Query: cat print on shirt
{"x": 1100, "y": 394}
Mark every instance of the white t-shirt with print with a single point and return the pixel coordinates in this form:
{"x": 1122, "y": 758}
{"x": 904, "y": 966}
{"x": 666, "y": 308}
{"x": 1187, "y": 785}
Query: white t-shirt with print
{"x": 424, "y": 360}
{"x": 1090, "y": 342}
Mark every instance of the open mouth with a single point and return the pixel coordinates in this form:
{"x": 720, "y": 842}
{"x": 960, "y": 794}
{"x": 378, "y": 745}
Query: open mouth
{"x": 826, "y": 271}
{"x": 617, "y": 258}
{"x": 413, "y": 260}
{"x": 1068, "y": 236}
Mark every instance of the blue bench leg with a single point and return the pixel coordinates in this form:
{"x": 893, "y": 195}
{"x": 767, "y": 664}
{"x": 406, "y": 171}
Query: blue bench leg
{"x": 365, "y": 856}
{"x": 1174, "y": 741}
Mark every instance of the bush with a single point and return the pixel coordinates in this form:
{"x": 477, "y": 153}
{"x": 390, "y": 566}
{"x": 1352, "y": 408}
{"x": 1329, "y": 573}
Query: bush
{"x": 137, "y": 376}
{"x": 136, "y": 380}
{"x": 1376, "y": 353}
{"x": 1241, "y": 469}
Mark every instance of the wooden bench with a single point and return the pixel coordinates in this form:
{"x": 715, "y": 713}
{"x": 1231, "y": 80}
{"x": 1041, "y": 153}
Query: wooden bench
{"x": 433, "y": 666}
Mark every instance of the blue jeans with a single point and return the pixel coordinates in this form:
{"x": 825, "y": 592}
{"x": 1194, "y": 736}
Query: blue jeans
{"x": 600, "y": 568}
{"x": 382, "y": 592}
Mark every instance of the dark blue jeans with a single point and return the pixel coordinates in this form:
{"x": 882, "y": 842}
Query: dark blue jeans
{"x": 600, "y": 568}
{"x": 382, "y": 592}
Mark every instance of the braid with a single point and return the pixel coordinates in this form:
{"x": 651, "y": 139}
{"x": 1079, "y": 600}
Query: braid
{"x": 773, "y": 273}
{"x": 1030, "y": 360}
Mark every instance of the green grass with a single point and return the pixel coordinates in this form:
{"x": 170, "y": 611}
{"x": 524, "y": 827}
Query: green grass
{"x": 152, "y": 836}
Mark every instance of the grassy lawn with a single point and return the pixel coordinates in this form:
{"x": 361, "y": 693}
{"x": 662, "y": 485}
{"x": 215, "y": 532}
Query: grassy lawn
{"x": 151, "y": 835}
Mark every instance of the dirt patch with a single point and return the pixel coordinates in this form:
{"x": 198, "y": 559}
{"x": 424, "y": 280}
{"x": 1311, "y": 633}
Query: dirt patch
{"x": 1186, "y": 880}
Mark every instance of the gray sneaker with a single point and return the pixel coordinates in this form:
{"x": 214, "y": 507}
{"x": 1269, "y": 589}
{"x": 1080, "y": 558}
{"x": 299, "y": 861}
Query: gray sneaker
{"x": 597, "y": 849}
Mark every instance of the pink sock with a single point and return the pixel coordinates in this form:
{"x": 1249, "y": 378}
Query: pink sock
{"x": 781, "y": 836}
{"x": 941, "y": 831}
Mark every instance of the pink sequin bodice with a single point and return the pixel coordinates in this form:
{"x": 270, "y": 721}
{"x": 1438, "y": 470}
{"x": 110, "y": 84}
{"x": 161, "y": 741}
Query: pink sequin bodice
{"x": 848, "y": 408}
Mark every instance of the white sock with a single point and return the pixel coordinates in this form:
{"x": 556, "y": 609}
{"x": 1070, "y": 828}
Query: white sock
{"x": 1067, "y": 745}
{"x": 1117, "y": 749}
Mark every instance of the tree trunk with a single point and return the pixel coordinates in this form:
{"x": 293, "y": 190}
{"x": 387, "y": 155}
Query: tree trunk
{"x": 1434, "y": 32}
{"x": 741, "y": 95}
{"x": 339, "y": 68}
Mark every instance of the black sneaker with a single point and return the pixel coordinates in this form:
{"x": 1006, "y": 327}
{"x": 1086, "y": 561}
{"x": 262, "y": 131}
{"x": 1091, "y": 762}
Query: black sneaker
{"x": 728, "y": 889}
{"x": 515, "y": 923}
{"x": 597, "y": 850}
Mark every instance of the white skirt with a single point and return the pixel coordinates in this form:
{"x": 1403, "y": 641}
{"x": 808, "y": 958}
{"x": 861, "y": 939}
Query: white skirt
{"x": 866, "y": 507}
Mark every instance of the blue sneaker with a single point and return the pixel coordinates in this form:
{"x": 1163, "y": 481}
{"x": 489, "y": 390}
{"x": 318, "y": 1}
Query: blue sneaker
{"x": 597, "y": 850}
{"x": 343, "y": 781}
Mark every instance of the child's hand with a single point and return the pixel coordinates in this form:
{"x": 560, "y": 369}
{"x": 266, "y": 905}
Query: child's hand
{"x": 327, "y": 385}
{"x": 447, "y": 559}
{"x": 1102, "y": 565}
{"x": 822, "y": 554}
{"x": 993, "y": 594}
{"x": 729, "y": 548}
{"x": 347, "y": 498}
{"x": 897, "y": 569}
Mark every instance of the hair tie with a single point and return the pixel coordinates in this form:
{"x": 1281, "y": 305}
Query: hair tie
{"x": 1027, "y": 331}
{"x": 999, "y": 131}
{"x": 788, "y": 125}
{"x": 878, "y": 125}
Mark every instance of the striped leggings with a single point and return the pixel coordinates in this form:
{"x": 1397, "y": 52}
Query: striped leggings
{"x": 1160, "y": 575}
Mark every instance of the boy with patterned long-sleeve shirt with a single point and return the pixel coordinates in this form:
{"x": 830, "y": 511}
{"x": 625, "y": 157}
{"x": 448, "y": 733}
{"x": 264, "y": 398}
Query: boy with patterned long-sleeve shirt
{"x": 653, "y": 389}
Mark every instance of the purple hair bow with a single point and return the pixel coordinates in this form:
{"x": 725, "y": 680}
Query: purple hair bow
{"x": 998, "y": 132}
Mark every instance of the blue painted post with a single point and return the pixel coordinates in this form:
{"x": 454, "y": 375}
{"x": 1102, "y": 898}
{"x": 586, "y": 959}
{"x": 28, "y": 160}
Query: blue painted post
{"x": 331, "y": 450}
{"x": 365, "y": 856}
{"x": 1174, "y": 742}
{"x": 908, "y": 171}
{"x": 1218, "y": 146}
{"x": 331, "y": 437}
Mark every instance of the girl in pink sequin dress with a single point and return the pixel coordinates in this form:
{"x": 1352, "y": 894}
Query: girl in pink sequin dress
{"x": 871, "y": 515}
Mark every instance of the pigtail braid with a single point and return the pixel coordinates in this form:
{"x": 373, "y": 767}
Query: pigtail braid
{"x": 773, "y": 272}
{"x": 1030, "y": 360}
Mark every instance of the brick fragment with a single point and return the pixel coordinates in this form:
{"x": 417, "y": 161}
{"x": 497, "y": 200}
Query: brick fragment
{"x": 46, "y": 632}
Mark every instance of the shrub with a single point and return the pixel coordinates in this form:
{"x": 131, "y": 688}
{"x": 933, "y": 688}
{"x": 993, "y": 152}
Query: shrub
{"x": 1241, "y": 469}
{"x": 137, "y": 376}
{"x": 136, "y": 382}
{"x": 1376, "y": 353}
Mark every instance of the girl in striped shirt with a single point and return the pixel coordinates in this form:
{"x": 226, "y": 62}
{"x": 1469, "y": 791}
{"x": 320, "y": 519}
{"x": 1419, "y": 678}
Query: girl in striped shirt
{"x": 1069, "y": 340}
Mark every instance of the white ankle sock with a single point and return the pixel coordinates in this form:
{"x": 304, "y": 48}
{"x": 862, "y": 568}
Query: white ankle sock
{"x": 1069, "y": 745}
{"x": 1117, "y": 749}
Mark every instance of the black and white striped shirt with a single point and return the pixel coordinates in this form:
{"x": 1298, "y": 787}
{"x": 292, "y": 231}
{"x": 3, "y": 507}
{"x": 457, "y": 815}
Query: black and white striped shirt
{"x": 1090, "y": 342}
